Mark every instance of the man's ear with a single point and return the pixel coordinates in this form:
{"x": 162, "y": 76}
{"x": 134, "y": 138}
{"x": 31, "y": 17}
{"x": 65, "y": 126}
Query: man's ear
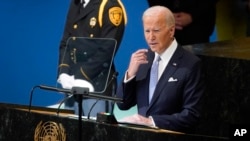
{"x": 172, "y": 31}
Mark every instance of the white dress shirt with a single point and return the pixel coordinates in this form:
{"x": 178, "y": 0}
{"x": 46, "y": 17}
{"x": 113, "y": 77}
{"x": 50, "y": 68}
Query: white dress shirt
{"x": 165, "y": 57}
{"x": 86, "y": 2}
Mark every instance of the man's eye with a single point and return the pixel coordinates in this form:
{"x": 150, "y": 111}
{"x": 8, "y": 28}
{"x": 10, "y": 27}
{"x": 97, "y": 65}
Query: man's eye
{"x": 154, "y": 31}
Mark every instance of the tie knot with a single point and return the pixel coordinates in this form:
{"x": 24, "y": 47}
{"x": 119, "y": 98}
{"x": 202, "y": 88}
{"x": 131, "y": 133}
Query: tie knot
{"x": 157, "y": 58}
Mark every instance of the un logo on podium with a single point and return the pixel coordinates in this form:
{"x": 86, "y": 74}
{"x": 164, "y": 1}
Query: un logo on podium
{"x": 49, "y": 131}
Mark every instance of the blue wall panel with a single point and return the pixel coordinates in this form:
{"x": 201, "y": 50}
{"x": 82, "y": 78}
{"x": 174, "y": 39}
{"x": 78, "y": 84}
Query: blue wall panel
{"x": 30, "y": 34}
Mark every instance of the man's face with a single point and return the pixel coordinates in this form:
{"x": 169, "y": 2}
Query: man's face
{"x": 157, "y": 33}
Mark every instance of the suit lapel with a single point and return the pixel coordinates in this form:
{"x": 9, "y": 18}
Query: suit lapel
{"x": 168, "y": 72}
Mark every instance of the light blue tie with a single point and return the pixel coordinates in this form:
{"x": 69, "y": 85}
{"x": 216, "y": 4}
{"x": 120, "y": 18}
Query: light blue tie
{"x": 153, "y": 77}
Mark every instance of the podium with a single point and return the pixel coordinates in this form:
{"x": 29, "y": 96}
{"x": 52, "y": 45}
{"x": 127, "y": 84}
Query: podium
{"x": 42, "y": 124}
{"x": 226, "y": 102}
{"x": 227, "y": 76}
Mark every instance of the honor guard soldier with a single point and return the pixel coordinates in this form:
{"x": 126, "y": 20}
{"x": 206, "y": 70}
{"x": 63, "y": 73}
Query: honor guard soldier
{"x": 90, "y": 19}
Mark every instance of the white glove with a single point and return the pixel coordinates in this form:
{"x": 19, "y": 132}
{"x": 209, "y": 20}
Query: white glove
{"x": 83, "y": 83}
{"x": 66, "y": 80}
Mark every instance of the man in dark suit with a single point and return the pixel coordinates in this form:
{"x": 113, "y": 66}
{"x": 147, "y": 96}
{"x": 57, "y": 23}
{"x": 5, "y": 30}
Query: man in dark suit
{"x": 176, "y": 100}
{"x": 195, "y": 19}
{"x": 92, "y": 19}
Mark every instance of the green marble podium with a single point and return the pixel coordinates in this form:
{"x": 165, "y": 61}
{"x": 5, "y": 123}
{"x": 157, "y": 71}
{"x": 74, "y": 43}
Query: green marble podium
{"x": 226, "y": 66}
{"x": 43, "y": 124}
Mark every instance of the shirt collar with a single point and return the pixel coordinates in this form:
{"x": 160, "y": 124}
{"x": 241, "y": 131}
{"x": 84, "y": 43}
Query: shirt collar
{"x": 85, "y": 2}
{"x": 168, "y": 53}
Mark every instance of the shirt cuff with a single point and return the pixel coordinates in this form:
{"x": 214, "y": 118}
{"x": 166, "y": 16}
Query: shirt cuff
{"x": 153, "y": 122}
{"x": 125, "y": 78}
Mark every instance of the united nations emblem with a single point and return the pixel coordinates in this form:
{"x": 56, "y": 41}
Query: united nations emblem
{"x": 115, "y": 15}
{"x": 49, "y": 131}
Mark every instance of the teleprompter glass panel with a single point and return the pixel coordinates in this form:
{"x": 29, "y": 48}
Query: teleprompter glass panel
{"x": 89, "y": 60}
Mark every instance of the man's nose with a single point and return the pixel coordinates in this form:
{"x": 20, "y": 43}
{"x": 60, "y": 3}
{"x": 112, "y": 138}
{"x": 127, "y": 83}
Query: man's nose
{"x": 151, "y": 36}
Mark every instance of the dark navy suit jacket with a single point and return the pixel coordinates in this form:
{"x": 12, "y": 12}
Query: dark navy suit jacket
{"x": 176, "y": 103}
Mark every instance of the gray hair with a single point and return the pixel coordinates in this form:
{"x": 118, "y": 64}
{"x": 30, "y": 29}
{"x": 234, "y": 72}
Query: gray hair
{"x": 158, "y": 11}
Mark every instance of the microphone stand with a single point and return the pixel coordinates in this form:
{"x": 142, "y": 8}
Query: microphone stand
{"x": 79, "y": 100}
{"x": 80, "y": 117}
{"x": 79, "y": 92}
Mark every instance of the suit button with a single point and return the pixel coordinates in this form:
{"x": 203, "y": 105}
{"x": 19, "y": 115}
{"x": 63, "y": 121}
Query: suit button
{"x": 105, "y": 65}
{"x": 75, "y": 26}
{"x": 91, "y": 35}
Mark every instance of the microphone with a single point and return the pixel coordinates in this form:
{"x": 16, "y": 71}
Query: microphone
{"x": 115, "y": 74}
{"x": 46, "y": 88}
{"x": 115, "y": 99}
{"x": 78, "y": 91}
{"x": 82, "y": 91}
{"x": 54, "y": 89}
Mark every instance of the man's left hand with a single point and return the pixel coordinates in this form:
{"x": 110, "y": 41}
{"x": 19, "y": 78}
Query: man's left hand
{"x": 138, "y": 119}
